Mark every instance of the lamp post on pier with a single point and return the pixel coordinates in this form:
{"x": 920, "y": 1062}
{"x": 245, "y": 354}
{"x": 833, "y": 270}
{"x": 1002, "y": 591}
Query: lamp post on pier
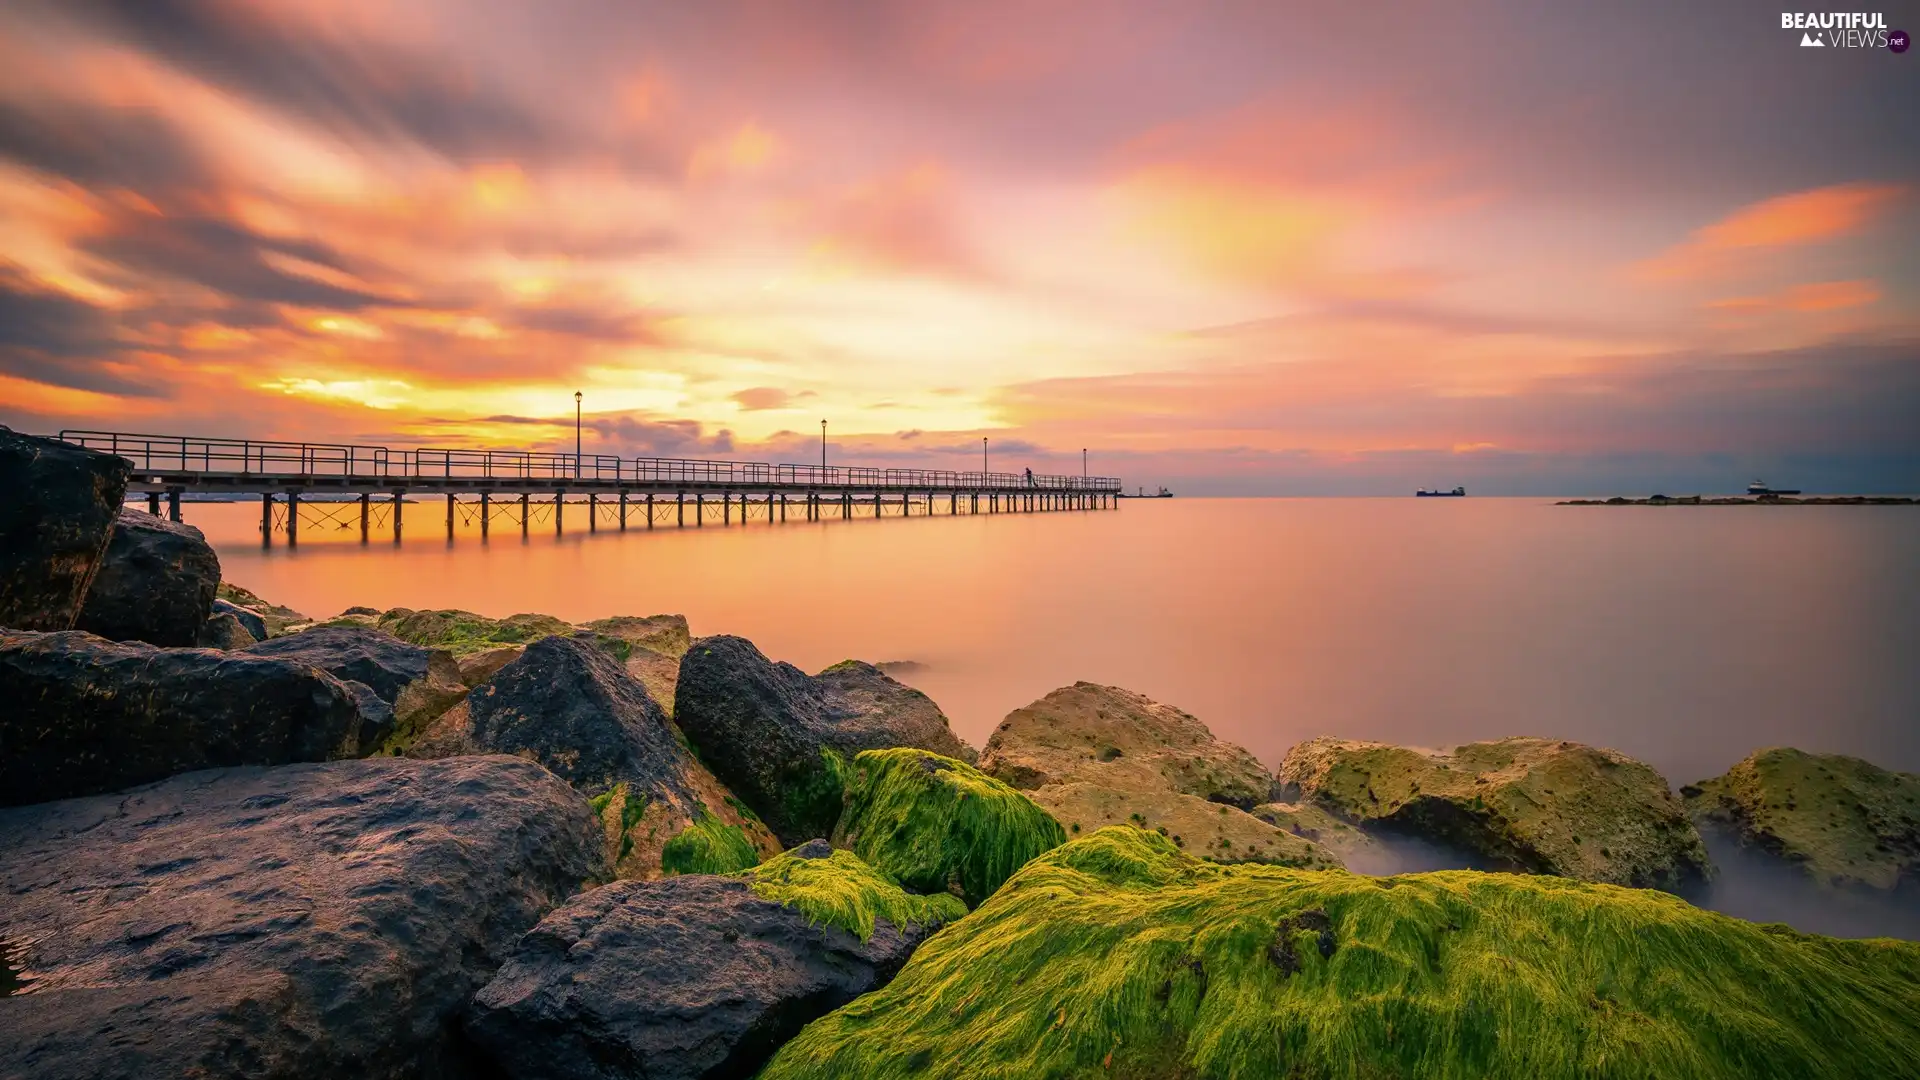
{"x": 823, "y": 444}
{"x": 576, "y": 434}
{"x": 983, "y": 458}
{"x": 1083, "y": 463}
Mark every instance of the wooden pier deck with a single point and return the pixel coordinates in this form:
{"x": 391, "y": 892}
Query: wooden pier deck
{"x": 521, "y": 486}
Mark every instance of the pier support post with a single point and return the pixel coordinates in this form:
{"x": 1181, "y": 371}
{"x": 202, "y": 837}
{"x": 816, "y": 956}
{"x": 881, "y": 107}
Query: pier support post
{"x": 399, "y": 500}
{"x": 486, "y": 512}
{"x": 293, "y": 518}
{"x": 649, "y": 510}
{"x": 449, "y": 516}
{"x": 559, "y": 510}
{"x": 783, "y": 507}
{"x": 699, "y": 510}
{"x": 173, "y": 505}
{"x": 266, "y": 518}
{"x": 623, "y": 511}
{"x": 593, "y": 512}
{"x": 523, "y": 515}
{"x": 726, "y": 508}
{"x": 846, "y": 505}
{"x": 680, "y": 512}
{"x": 153, "y": 503}
{"x": 366, "y": 515}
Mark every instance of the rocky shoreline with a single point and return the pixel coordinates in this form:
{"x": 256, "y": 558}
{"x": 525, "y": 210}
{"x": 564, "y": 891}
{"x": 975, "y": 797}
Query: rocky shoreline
{"x": 1758, "y": 500}
{"x": 242, "y": 842}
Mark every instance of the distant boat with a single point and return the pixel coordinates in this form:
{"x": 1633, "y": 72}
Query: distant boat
{"x": 1759, "y": 487}
{"x": 1456, "y": 493}
{"x": 1141, "y": 493}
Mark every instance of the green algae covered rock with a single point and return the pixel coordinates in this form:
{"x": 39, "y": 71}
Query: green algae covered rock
{"x": 937, "y": 824}
{"x": 708, "y": 846}
{"x": 1540, "y": 805}
{"x": 841, "y": 890}
{"x": 1847, "y": 822}
{"x": 1210, "y": 830}
{"x": 463, "y": 632}
{"x": 1119, "y": 955}
{"x": 1312, "y": 822}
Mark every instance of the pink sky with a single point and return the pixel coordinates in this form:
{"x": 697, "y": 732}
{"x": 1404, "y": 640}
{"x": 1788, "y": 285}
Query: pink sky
{"x": 1251, "y": 247}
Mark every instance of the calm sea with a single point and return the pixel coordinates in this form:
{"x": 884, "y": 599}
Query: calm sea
{"x": 1684, "y": 636}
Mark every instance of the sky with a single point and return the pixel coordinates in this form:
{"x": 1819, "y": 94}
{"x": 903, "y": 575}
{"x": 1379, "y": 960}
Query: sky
{"x": 1234, "y": 248}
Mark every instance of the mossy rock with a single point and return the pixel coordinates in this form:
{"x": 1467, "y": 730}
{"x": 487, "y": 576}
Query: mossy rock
{"x": 708, "y": 846}
{"x": 278, "y": 618}
{"x": 839, "y": 889}
{"x": 1310, "y": 822}
{"x": 1119, "y": 955}
{"x": 1538, "y": 805}
{"x": 937, "y": 824}
{"x": 463, "y": 632}
{"x": 666, "y": 635}
{"x": 1122, "y": 740}
{"x": 1210, "y": 830}
{"x": 1847, "y": 822}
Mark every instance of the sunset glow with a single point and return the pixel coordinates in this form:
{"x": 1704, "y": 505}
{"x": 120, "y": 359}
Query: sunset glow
{"x": 1258, "y": 248}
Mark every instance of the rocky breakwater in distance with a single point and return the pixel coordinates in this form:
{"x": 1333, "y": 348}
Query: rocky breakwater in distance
{"x": 1539, "y": 805}
{"x": 1843, "y": 822}
{"x": 701, "y": 976}
{"x": 782, "y": 739}
{"x": 55, "y": 522}
{"x": 567, "y": 703}
{"x": 86, "y": 715}
{"x": 1100, "y": 755}
{"x": 1118, "y": 954}
{"x": 307, "y": 921}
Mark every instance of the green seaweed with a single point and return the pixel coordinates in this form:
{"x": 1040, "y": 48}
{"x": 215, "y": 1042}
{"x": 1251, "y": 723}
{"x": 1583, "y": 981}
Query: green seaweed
{"x": 843, "y": 891}
{"x": 463, "y": 632}
{"x": 708, "y": 846}
{"x": 936, "y": 824}
{"x": 1116, "y": 955}
{"x": 810, "y": 801}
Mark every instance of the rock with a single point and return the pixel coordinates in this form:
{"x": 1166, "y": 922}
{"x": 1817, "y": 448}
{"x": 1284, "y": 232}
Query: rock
{"x": 781, "y": 739}
{"x": 306, "y": 921}
{"x": 87, "y": 715}
{"x": 155, "y": 585}
{"x": 663, "y": 634}
{"x": 695, "y": 977}
{"x": 55, "y": 521}
{"x": 1311, "y": 822}
{"x": 1846, "y": 822}
{"x": 1099, "y": 755}
{"x": 1118, "y": 955}
{"x": 660, "y": 674}
{"x": 1121, "y": 740}
{"x": 568, "y": 704}
{"x": 478, "y": 667}
{"x": 463, "y": 632}
{"x": 275, "y": 617}
{"x": 874, "y": 710}
{"x": 419, "y": 683}
{"x": 251, "y": 620}
{"x": 1213, "y": 831}
{"x": 223, "y": 631}
{"x": 1540, "y": 805}
{"x": 937, "y": 824}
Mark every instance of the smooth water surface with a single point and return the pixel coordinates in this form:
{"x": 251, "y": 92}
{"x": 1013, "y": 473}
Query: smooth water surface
{"x": 1684, "y": 636}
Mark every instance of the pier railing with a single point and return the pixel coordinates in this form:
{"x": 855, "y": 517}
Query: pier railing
{"x": 246, "y": 458}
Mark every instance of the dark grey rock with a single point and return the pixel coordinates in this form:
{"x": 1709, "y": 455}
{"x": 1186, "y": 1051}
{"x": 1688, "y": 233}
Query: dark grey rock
{"x": 249, "y": 618}
{"x": 86, "y": 715}
{"x": 773, "y": 733}
{"x": 376, "y": 713}
{"x": 363, "y": 654}
{"x": 684, "y": 978}
{"x": 223, "y": 631}
{"x": 56, "y": 516}
{"x": 155, "y": 585}
{"x": 307, "y": 921}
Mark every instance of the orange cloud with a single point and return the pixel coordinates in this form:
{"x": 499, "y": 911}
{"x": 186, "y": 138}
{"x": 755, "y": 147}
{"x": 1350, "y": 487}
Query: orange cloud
{"x": 1810, "y": 297}
{"x": 1785, "y": 221}
{"x": 748, "y": 150}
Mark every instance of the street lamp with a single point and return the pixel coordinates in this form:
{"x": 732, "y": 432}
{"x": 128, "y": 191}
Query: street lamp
{"x": 1083, "y": 463}
{"x": 983, "y": 457}
{"x": 823, "y": 444}
{"x": 576, "y": 434}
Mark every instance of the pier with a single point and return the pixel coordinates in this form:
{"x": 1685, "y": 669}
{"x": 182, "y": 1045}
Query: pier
{"x": 324, "y": 483}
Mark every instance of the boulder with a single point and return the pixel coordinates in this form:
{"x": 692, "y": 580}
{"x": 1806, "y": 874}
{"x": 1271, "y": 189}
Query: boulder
{"x": 223, "y": 631}
{"x": 782, "y": 739}
{"x": 1119, "y": 955}
{"x": 478, "y": 667}
{"x": 937, "y": 824}
{"x": 1311, "y": 822}
{"x": 55, "y": 521}
{"x": 1099, "y": 755}
{"x": 419, "y": 683}
{"x": 1122, "y": 740}
{"x": 155, "y": 585}
{"x": 463, "y": 632}
{"x": 697, "y": 977}
{"x": 1544, "y": 806}
{"x": 276, "y": 618}
{"x": 1848, "y": 823}
{"x": 87, "y": 715}
{"x": 255, "y": 624}
{"x": 567, "y": 703}
{"x": 306, "y": 921}
{"x": 666, "y": 635}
